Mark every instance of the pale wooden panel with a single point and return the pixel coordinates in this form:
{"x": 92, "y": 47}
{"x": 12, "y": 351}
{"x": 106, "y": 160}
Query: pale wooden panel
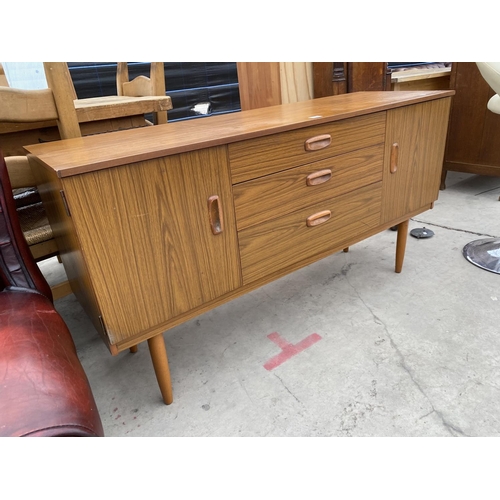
{"x": 61, "y": 290}
{"x": 272, "y": 196}
{"x": 121, "y": 76}
{"x": 157, "y": 76}
{"x": 113, "y": 125}
{"x": 421, "y": 79}
{"x": 273, "y": 245}
{"x": 296, "y": 80}
{"x": 267, "y": 155}
{"x": 138, "y": 87}
{"x": 420, "y": 131}
{"x": 3, "y": 79}
{"x": 259, "y": 84}
{"x": 413, "y": 75}
{"x": 59, "y": 81}
{"x": 20, "y": 174}
{"x": 145, "y": 234}
{"x": 26, "y": 105}
{"x": 441, "y": 83}
{"x": 101, "y": 108}
{"x": 42, "y": 250}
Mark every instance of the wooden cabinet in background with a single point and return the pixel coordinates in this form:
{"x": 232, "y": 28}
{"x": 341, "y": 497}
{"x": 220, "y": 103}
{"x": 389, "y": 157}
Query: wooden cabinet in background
{"x": 333, "y": 78}
{"x": 473, "y": 143}
{"x": 156, "y": 226}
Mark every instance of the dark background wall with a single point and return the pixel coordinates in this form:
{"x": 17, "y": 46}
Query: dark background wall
{"x": 187, "y": 84}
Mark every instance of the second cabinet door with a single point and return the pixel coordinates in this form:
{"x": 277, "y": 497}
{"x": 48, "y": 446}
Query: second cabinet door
{"x": 158, "y": 237}
{"x": 414, "y": 151}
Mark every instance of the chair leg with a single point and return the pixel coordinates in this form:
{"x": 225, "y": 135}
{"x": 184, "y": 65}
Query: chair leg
{"x": 159, "y": 357}
{"x": 133, "y": 349}
{"x": 442, "y": 186}
{"x": 401, "y": 244}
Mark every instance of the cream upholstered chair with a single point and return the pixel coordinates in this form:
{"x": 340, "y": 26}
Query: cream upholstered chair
{"x": 485, "y": 253}
{"x": 490, "y": 71}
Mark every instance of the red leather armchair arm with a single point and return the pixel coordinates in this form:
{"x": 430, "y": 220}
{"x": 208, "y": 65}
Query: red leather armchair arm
{"x": 44, "y": 390}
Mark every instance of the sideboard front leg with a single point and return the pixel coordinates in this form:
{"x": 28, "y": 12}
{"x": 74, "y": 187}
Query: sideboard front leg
{"x": 401, "y": 244}
{"x": 159, "y": 357}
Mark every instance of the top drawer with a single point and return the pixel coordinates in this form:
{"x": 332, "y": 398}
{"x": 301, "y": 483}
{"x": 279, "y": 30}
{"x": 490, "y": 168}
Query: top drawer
{"x": 266, "y": 155}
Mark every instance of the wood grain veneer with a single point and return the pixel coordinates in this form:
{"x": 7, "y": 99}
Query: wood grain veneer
{"x": 416, "y": 181}
{"x": 275, "y": 244}
{"x": 268, "y": 197}
{"x": 169, "y": 222}
{"x": 137, "y": 224}
{"x": 266, "y": 155}
{"x": 86, "y": 154}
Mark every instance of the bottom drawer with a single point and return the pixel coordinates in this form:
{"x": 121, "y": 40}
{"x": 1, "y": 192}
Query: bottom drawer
{"x": 273, "y": 245}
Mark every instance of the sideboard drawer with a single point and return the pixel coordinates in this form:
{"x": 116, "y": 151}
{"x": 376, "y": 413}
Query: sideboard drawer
{"x": 273, "y": 245}
{"x": 266, "y": 155}
{"x": 275, "y": 195}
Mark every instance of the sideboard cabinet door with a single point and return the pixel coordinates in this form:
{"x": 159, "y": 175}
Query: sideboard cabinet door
{"x": 414, "y": 150}
{"x": 158, "y": 237}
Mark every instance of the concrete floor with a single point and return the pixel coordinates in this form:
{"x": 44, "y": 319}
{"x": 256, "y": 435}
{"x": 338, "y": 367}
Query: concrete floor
{"x": 386, "y": 354}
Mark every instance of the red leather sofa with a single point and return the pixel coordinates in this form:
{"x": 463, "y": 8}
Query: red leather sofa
{"x": 44, "y": 390}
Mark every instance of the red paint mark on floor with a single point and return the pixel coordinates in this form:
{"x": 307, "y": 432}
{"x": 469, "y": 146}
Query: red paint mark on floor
{"x": 288, "y": 350}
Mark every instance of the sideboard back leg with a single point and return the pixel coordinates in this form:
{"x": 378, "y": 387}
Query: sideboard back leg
{"x": 401, "y": 244}
{"x": 159, "y": 357}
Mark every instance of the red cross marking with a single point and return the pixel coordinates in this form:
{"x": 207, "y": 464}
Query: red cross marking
{"x": 288, "y": 350}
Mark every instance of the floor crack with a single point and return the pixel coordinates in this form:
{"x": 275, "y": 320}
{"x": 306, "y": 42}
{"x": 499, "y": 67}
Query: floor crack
{"x": 245, "y": 389}
{"x": 288, "y": 390}
{"x": 405, "y": 367}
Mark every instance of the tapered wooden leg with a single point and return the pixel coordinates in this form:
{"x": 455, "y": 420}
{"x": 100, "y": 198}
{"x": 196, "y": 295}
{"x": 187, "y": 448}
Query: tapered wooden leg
{"x": 160, "y": 363}
{"x": 133, "y": 349}
{"x": 401, "y": 244}
{"x": 346, "y": 249}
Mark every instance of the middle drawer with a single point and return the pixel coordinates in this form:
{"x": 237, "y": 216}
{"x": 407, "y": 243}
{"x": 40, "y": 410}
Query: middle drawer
{"x": 274, "y": 195}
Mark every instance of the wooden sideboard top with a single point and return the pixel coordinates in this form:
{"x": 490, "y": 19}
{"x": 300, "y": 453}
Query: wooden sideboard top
{"x": 86, "y": 154}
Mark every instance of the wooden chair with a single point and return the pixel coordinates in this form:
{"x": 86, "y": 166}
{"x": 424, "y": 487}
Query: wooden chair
{"x": 28, "y": 106}
{"x": 110, "y": 113}
{"x": 142, "y": 86}
{"x": 25, "y": 114}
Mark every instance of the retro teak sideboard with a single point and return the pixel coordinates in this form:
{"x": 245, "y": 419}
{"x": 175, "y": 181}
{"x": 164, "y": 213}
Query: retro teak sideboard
{"x": 160, "y": 224}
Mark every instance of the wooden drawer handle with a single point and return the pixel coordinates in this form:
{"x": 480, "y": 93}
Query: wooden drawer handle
{"x": 319, "y": 177}
{"x": 319, "y": 218}
{"x": 215, "y": 215}
{"x": 394, "y": 157}
{"x": 318, "y": 142}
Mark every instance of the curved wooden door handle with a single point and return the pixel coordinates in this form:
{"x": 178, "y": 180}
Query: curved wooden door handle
{"x": 318, "y": 142}
{"x": 394, "y": 158}
{"x": 319, "y": 218}
{"x": 319, "y": 177}
{"x": 215, "y": 215}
